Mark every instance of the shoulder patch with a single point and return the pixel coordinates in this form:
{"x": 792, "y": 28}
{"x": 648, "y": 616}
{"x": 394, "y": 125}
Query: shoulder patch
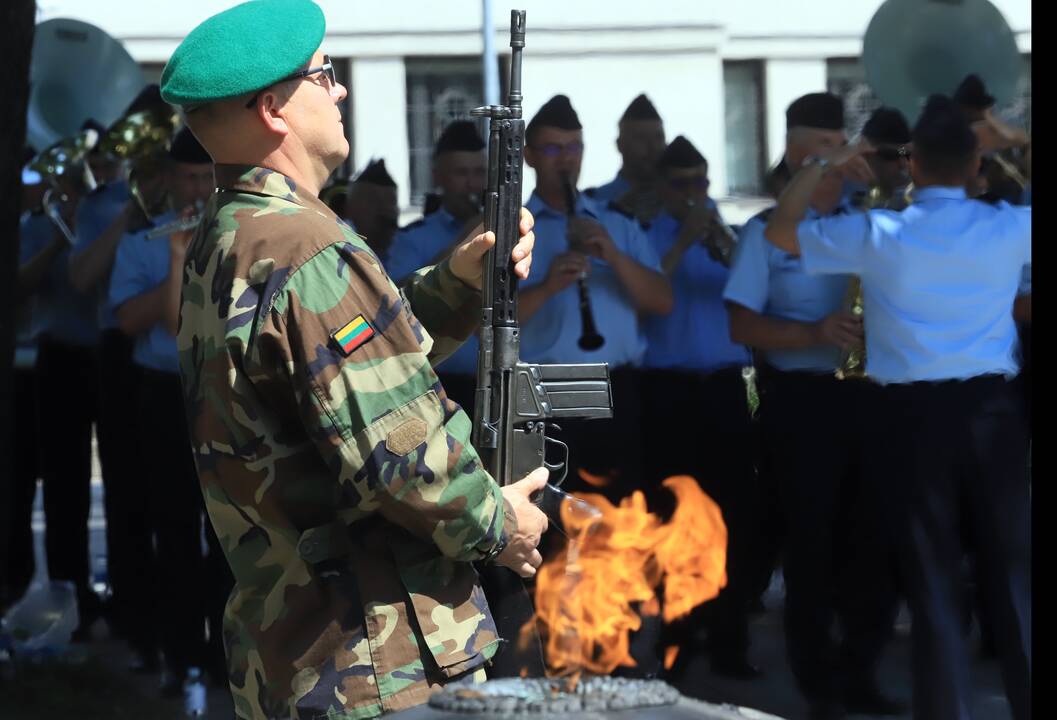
{"x": 354, "y": 334}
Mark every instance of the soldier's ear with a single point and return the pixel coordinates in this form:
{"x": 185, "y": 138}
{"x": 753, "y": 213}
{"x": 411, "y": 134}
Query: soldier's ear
{"x": 530, "y": 156}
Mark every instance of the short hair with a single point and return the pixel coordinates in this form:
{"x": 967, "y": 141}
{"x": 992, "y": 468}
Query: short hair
{"x": 944, "y": 143}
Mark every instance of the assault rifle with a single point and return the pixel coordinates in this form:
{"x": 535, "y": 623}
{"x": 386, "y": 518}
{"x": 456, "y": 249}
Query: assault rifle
{"x": 516, "y": 402}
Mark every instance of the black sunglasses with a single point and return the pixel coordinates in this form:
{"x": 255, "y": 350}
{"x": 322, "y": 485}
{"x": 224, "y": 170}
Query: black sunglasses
{"x": 893, "y": 153}
{"x": 326, "y": 68}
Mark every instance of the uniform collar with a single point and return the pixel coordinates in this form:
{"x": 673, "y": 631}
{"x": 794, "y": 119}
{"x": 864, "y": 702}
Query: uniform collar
{"x": 538, "y": 207}
{"x": 262, "y": 181}
{"x": 938, "y": 192}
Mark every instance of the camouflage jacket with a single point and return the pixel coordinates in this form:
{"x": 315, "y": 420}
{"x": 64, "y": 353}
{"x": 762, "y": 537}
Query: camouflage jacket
{"x": 338, "y": 475}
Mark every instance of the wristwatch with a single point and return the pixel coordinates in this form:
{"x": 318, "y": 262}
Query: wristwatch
{"x": 822, "y": 162}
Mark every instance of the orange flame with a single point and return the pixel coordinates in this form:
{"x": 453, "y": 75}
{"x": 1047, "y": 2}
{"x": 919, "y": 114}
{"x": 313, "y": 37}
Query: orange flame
{"x": 598, "y": 481}
{"x": 586, "y": 596}
{"x": 670, "y": 654}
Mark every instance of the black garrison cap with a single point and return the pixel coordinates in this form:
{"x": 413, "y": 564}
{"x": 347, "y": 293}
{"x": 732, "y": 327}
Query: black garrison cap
{"x": 376, "y": 174}
{"x": 460, "y": 136}
{"x": 822, "y": 111}
{"x": 973, "y": 94}
{"x": 185, "y": 148}
{"x": 887, "y": 125}
{"x": 640, "y": 109}
{"x": 557, "y": 113}
{"x": 943, "y": 130}
{"x": 681, "y": 153}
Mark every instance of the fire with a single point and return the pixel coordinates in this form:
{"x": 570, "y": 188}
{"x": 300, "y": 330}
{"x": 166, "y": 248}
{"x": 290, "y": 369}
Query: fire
{"x": 615, "y": 562}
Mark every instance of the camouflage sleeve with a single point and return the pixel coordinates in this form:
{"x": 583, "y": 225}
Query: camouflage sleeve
{"x": 370, "y": 401}
{"x": 447, "y": 307}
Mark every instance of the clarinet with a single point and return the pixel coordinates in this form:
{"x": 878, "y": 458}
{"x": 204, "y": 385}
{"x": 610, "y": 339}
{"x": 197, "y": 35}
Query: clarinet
{"x": 589, "y": 337}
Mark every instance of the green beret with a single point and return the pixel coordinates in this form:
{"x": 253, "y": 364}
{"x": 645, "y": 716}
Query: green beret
{"x": 241, "y": 50}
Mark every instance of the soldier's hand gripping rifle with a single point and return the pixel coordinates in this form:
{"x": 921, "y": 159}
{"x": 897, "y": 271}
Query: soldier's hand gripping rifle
{"x": 516, "y": 402}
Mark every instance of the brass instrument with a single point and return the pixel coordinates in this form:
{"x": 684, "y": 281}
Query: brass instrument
{"x": 853, "y": 360}
{"x": 915, "y": 48}
{"x": 590, "y": 339}
{"x": 142, "y": 139}
{"x": 66, "y": 158}
{"x": 77, "y": 72}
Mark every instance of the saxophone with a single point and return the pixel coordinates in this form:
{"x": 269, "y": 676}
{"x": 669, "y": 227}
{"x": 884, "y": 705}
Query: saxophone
{"x": 853, "y": 360}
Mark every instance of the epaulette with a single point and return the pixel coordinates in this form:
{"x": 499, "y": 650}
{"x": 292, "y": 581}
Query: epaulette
{"x": 412, "y": 225}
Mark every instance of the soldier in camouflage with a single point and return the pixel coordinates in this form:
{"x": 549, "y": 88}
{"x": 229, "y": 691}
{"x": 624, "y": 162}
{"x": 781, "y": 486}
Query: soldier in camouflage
{"x": 337, "y": 473}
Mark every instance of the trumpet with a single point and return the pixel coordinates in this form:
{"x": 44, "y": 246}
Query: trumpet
{"x": 720, "y": 240}
{"x": 590, "y": 339}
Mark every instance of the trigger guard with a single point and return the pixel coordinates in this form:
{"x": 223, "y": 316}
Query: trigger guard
{"x": 562, "y": 466}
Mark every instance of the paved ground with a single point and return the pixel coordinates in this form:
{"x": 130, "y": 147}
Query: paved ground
{"x": 774, "y": 693}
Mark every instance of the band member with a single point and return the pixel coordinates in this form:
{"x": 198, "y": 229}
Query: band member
{"x": 103, "y": 217}
{"x": 939, "y": 281}
{"x": 640, "y": 141}
{"x": 887, "y": 131}
{"x": 371, "y": 208}
{"x": 144, "y": 290}
{"x": 65, "y": 331}
{"x": 623, "y": 282}
{"x": 835, "y": 558}
{"x": 695, "y": 404}
{"x": 340, "y": 479}
{"x": 459, "y": 166}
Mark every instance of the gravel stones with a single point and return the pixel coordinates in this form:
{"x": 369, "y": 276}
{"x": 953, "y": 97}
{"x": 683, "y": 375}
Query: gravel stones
{"x": 545, "y": 696}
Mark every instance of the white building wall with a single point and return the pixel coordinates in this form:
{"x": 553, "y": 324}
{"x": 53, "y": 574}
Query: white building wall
{"x": 379, "y": 116}
{"x": 598, "y": 52}
{"x": 784, "y": 81}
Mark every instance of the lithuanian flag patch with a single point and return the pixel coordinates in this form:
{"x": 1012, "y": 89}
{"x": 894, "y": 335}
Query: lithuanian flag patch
{"x": 353, "y": 335}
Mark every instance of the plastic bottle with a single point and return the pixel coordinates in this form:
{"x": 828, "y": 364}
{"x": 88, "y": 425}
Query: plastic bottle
{"x": 194, "y": 694}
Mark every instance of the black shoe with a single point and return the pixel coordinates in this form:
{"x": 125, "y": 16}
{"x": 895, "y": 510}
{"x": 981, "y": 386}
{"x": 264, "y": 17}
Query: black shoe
{"x": 736, "y": 666}
{"x": 825, "y": 711}
{"x": 871, "y": 701}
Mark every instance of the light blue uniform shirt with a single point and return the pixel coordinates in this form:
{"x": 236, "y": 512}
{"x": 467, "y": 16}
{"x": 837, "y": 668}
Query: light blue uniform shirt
{"x": 696, "y": 335}
{"x": 611, "y": 191}
{"x": 140, "y": 266}
{"x": 414, "y": 247}
{"x": 59, "y": 311}
{"x": 772, "y": 282}
{"x": 550, "y": 336}
{"x": 94, "y": 215}
{"x": 939, "y": 279}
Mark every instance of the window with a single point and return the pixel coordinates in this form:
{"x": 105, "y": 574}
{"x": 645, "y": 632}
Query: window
{"x": 439, "y": 91}
{"x": 746, "y": 145}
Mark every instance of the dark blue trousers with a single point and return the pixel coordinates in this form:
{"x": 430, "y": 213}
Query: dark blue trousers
{"x": 956, "y": 457}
